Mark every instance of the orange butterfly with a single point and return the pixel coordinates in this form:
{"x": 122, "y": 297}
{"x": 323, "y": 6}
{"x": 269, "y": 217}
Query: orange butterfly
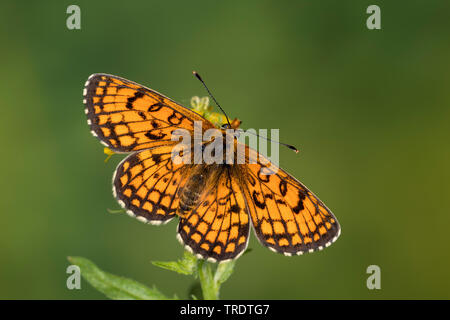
{"x": 215, "y": 203}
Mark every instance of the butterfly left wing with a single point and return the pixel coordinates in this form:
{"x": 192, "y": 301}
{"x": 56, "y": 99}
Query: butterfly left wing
{"x": 287, "y": 217}
{"x": 127, "y": 117}
{"x": 217, "y": 229}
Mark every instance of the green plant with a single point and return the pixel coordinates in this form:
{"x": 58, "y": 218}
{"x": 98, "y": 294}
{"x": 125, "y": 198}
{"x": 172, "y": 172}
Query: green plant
{"x": 211, "y": 277}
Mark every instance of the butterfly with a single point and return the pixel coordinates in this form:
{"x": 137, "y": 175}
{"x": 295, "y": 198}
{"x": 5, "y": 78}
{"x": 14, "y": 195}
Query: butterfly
{"x": 215, "y": 203}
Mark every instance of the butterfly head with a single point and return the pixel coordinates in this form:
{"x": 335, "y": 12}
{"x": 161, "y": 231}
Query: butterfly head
{"x": 234, "y": 125}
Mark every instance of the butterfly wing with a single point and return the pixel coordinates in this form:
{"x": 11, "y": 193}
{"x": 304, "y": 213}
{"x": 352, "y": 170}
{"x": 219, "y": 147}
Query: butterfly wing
{"x": 286, "y": 216}
{"x": 146, "y": 184}
{"x": 217, "y": 229}
{"x": 127, "y": 117}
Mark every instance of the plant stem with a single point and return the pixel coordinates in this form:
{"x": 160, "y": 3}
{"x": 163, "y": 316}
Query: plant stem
{"x": 210, "y": 288}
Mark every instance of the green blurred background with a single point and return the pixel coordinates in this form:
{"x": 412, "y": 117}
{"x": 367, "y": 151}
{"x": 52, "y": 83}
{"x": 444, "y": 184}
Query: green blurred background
{"x": 368, "y": 109}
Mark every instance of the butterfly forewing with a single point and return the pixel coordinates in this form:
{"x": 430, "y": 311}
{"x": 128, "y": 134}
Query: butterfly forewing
{"x": 127, "y": 117}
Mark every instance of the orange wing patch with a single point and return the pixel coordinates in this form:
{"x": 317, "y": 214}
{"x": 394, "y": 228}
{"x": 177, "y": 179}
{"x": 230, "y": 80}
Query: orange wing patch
{"x": 146, "y": 185}
{"x": 127, "y": 117}
{"x": 218, "y": 228}
{"x": 286, "y": 216}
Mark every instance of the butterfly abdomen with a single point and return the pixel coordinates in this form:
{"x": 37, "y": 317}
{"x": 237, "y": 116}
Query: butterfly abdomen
{"x": 190, "y": 194}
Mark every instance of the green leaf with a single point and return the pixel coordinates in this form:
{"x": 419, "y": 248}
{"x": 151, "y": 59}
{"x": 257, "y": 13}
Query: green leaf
{"x": 115, "y": 287}
{"x": 186, "y": 265}
{"x": 224, "y": 271}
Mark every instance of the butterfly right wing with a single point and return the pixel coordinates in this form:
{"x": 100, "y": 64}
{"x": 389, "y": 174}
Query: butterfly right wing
{"x": 287, "y": 217}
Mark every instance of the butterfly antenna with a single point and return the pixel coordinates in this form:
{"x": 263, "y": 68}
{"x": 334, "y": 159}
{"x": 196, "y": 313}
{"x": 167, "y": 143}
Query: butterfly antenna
{"x": 283, "y": 144}
{"x": 210, "y": 94}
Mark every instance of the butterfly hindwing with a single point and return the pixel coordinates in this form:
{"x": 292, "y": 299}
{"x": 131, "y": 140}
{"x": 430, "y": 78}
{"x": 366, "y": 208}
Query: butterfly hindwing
{"x": 218, "y": 227}
{"x": 146, "y": 184}
{"x": 127, "y": 117}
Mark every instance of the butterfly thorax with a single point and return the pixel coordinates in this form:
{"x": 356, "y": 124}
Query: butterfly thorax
{"x": 201, "y": 178}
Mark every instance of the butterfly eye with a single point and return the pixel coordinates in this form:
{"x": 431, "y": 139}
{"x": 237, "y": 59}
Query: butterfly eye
{"x": 226, "y": 126}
